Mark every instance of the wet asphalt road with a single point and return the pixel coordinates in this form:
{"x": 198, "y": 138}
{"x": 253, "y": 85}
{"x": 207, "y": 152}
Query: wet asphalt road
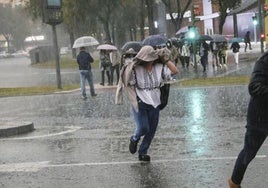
{"x": 84, "y": 143}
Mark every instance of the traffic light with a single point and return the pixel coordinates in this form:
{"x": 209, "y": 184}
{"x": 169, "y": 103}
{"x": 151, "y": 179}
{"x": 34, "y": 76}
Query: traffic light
{"x": 262, "y": 36}
{"x": 192, "y": 33}
{"x": 194, "y": 13}
{"x": 254, "y": 20}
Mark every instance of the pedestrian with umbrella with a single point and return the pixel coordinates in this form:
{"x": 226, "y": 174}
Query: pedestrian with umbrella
{"x": 135, "y": 45}
{"x": 223, "y": 46}
{"x": 105, "y": 66}
{"x": 105, "y": 62}
{"x": 115, "y": 60}
{"x": 84, "y": 60}
{"x": 235, "y": 48}
{"x": 127, "y": 57}
{"x": 204, "y": 48}
{"x": 185, "y": 55}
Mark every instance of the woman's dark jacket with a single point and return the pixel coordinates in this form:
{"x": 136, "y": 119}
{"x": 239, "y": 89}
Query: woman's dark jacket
{"x": 257, "y": 117}
{"x": 84, "y": 59}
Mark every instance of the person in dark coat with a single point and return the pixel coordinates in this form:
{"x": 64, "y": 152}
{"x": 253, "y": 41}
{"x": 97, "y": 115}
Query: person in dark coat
{"x": 204, "y": 48}
{"x": 105, "y": 66}
{"x": 235, "y": 48}
{"x": 247, "y": 41}
{"x": 84, "y": 60}
{"x": 257, "y": 120}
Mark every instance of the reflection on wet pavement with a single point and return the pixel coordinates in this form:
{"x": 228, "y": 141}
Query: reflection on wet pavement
{"x": 199, "y": 135}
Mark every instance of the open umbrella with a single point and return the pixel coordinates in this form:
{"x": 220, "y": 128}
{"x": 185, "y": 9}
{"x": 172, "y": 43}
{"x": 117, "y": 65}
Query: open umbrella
{"x": 236, "y": 39}
{"x": 85, "y": 41}
{"x": 106, "y": 47}
{"x": 135, "y": 45}
{"x": 182, "y": 30}
{"x": 205, "y": 37}
{"x": 155, "y": 40}
{"x": 218, "y": 38}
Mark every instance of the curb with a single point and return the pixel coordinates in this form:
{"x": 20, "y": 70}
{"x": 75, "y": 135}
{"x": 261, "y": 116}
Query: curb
{"x": 8, "y": 128}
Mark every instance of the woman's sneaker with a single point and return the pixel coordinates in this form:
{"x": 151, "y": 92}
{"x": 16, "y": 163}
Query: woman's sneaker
{"x": 144, "y": 157}
{"x": 133, "y": 145}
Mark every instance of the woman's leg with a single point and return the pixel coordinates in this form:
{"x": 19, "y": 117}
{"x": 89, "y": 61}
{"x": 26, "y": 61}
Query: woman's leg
{"x": 236, "y": 57}
{"x": 152, "y": 120}
{"x": 108, "y": 74}
{"x": 252, "y": 143}
{"x": 141, "y": 122}
{"x": 102, "y": 77}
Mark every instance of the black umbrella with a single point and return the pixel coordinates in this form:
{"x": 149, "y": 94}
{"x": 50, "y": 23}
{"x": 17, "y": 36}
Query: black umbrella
{"x": 205, "y": 37}
{"x": 135, "y": 45}
{"x": 155, "y": 40}
{"x": 176, "y": 41}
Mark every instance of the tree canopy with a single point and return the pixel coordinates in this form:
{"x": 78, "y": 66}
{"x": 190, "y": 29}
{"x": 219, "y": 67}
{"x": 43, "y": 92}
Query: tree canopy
{"x": 15, "y": 25}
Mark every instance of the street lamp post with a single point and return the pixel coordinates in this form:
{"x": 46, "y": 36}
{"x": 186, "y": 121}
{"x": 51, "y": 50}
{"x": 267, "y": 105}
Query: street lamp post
{"x": 255, "y": 23}
{"x": 52, "y": 15}
{"x": 260, "y": 9}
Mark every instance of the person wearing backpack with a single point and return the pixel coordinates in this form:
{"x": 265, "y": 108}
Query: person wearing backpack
{"x": 141, "y": 79}
{"x": 235, "y": 48}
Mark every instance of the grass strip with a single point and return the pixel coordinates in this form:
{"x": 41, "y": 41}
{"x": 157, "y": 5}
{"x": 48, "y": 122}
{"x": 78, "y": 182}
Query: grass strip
{"x": 197, "y": 82}
{"x": 215, "y": 81}
{"x": 40, "y": 90}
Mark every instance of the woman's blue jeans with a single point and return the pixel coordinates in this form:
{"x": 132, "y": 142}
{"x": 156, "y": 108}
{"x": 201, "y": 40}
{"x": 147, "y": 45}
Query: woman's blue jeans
{"x": 146, "y": 121}
{"x": 252, "y": 143}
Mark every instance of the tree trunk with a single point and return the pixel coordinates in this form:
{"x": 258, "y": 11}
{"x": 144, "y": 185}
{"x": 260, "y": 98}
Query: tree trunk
{"x": 71, "y": 35}
{"x": 142, "y": 20}
{"x": 107, "y": 31}
{"x": 149, "y": 4}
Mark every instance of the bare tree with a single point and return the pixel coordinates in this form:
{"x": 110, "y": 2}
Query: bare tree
{"x": 224, "y": 6}
{"x": 14, "y": 26}
{"x": 179, "y": 8}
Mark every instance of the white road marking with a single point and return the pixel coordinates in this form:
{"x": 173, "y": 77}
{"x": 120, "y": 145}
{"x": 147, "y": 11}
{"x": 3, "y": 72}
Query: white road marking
{"x": 36, "y": 166}
{"x": 23, "y": 167}
{"x": 70, "y": 130}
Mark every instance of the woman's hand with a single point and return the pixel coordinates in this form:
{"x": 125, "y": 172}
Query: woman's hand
{"x": 172, "y": 67}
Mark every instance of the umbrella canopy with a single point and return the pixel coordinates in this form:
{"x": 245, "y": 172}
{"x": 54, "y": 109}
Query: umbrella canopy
{"x": 106, "y": 47}
{"x": 176, "y": 41}
{"x": 218, "y": 38}
{"x": 236, "y": 39}
{"x": 135, "y": 45}
{"x": 85, "y": 41}
{"x": 205, "y": 37}
{"x": 182, "y": 30}
{"x": 155, "y": 40}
